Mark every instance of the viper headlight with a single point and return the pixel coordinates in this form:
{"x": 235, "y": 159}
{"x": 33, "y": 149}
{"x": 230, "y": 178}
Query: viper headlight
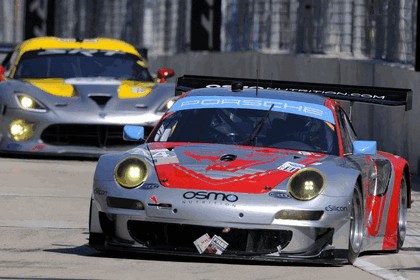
{"x": 167, "y": 104}
{"x": 29, "y": 103}
{"x": 306, "y": 184}
{"x": 131, "y": 172}
{"x": 21, "y": 130}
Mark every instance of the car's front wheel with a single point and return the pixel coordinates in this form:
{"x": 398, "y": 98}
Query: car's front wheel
{"x": 356, "y": 226}
{"x": 95, "y": 239}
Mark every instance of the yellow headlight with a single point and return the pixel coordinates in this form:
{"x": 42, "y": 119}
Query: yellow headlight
{"x": 29, "y": 103}
{"x": 21, "y": 130}
{"x": 169, "y": 104}
{"x": 131, "y": 172}
{"x": 306, "y": 184}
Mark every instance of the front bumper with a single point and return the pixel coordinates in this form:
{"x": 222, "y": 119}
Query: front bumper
{"x": 90, "y": 134}
{"x": 315, "y": 241}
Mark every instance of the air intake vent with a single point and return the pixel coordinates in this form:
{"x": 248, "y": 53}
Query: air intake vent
{"x": 88, "y": 135}
{"x": 100, "y": 99}
{"x": 228, "y": 157}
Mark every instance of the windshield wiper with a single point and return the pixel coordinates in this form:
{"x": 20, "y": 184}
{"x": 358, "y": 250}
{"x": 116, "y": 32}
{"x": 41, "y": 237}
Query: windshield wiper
{"x": 257, "y": 128}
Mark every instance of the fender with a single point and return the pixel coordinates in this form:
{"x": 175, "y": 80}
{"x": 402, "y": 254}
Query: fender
{"x": 391, "y": 230}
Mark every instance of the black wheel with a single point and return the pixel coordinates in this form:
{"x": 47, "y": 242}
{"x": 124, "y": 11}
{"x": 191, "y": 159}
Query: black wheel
{"x": 356, "y": 226}
{"x": 402, "y": 215}
{"x": 95, "y": 239}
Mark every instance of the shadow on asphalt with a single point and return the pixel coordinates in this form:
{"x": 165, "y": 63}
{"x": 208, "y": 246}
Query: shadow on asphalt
{"x": 87, "y": 251}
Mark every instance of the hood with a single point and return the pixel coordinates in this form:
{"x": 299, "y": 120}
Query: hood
{"x": 124, "y": 89}
{"x": 225, "y": 167}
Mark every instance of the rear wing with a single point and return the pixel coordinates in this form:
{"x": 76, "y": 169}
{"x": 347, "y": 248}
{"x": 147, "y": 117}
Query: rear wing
{"x": 372, "y": 95}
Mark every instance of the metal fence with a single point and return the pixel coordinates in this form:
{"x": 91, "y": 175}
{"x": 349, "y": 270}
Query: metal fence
{"x": 372, "y": 29}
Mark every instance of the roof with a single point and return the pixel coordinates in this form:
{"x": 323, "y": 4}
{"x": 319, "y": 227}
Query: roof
{"x": 71, "y": 43}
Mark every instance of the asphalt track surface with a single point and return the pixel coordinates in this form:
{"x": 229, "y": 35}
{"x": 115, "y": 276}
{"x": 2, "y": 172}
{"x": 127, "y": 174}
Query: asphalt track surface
{"x": 44, "y": 206}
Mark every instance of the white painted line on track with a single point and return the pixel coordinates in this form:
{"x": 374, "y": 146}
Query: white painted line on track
{"x": 377, "y": 270}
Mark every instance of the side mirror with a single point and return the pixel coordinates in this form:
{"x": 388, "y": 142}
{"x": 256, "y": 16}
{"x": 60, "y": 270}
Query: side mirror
{"x": 164, "y": 73}
{"x": 133, "y": 133}
{"x": 364, "y": 148}
{"x": 2, "y": 73}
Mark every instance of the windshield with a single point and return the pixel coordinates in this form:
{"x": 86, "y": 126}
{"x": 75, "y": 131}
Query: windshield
{"x": 237, "y": 126}
{"x": 65, "y": 64}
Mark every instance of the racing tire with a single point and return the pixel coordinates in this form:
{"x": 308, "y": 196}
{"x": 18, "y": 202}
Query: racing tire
{"x": 356, "y": 226}
{"x": 402, "y": 215}
{"x": 95, "y": 239}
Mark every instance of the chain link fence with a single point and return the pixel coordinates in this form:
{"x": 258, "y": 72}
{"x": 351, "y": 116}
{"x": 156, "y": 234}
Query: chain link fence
{"x": 372, "y": 29}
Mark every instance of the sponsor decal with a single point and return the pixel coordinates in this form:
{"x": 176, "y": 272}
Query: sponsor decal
{"x": 201, "y": 195}
{"x": 290, "y": 166}
{"x": 326, "y": 92}
{"x": 279, "y": 194}
{"x": 138, "y": 90}
{"x": 38, "y": 147}
{"x": 139, "y": 151}
{"x": 305, "y": 153}
{"x": 162, "y": 153}
{"x": 14, "y": 146}
{"x": 215, "y": 245}
{"x": 100, "y": 191}
{"x": 149, "y": 186}
{"x": 91, "y": 81}
{"x": 209, "y": 198}
{"x": 164, "y": 156}
{"x": 287, "y": 106}
{"x": 335, "y": 208}
{"x": 85, "y": 52}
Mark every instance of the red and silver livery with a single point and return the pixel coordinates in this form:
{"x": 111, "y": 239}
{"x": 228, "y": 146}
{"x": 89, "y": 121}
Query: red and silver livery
{"x": 256, "y": 170}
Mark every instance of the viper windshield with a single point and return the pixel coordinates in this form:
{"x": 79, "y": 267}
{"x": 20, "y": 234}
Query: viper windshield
{"x": 57, "y": 63}
{"x": 234, "y": 126}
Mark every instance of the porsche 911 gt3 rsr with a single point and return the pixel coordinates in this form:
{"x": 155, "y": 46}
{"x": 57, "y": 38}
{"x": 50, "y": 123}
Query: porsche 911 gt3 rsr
{"x": 73, "y": 97}
{"x": 237, "y": 170}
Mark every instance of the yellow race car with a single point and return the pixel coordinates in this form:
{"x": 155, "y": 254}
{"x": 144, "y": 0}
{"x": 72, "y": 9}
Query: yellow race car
{"x": 73, "y": 97}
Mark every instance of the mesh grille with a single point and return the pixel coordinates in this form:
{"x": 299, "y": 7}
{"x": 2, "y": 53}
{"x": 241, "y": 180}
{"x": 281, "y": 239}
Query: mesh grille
{"x": 85, "y": 135}
{"x": 180, "y": 237}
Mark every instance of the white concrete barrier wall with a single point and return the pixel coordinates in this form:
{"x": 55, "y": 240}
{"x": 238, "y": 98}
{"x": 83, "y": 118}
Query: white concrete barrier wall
{"x": 395, "y": 130}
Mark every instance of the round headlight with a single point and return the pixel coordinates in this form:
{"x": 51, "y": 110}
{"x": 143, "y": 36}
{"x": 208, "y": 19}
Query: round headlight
{"x": 21, "y": 130}
{"x": 306, "y": 184}
{"x": 131, "y": 172}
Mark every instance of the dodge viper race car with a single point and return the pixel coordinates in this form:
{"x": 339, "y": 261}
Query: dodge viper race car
{"x": 73, "y": 97}
{"x": 238, "y": 171}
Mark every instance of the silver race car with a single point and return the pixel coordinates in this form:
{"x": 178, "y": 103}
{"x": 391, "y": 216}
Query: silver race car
{"x": 73, "y": 97}
{"x": 238, "y": 171}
